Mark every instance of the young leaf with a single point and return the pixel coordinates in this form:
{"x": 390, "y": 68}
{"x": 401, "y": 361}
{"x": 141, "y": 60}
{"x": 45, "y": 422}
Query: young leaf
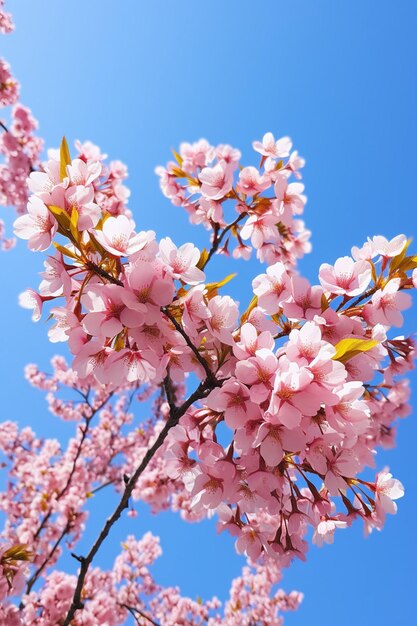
{"x": 212, "y": 288}
{"x": 252, "y": 304}
{"x": 65, "y": 251}
{"x": 64, "y": 158}
{"x": 61, "y": 216}
{"x": 203, "y": 259}
{"x": 346, "y": 349}
{"x": 74, "y": 224}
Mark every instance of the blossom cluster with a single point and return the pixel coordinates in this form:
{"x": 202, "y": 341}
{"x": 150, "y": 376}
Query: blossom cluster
{"x": 206, "y": 180}
{"x": 296, "y": 388}
{"x": 6, "y": 22}
{"x": 304, "y": 378}
{"x": 20, "y": 148}
{"x": 47, "y": 494}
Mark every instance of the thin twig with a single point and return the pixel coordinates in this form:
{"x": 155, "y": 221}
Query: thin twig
{"x": 74, "y": 461}
{"x": 99, "y": 270}
{"x": 365, "y": 295}
{"x": 32, "y": 580}
{"x": 133, "y": 610}
{"x": 67, "y": 528}
{"x": 218, "y": 239}
{"x": 201, "y": 360}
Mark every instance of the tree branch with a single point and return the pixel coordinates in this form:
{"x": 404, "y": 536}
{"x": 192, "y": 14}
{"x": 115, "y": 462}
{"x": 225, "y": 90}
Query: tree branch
{"x": 67, "y": 527}
{"x": 133, "y": 610}
{"x": 218, "y": 239}
{"x": 32, "y": 580}
{"x": 99, "y": 270}
{"x": 202, "y": 391}
{"x": 200, "y": 359}
{"x": 365, "y": 295}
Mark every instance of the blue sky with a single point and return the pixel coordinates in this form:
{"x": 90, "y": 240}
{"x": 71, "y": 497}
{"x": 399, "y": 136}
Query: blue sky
{"x": 137, "y": 78}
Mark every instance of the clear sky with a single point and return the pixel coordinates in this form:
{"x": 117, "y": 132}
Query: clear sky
{"x": 137, "y": 78}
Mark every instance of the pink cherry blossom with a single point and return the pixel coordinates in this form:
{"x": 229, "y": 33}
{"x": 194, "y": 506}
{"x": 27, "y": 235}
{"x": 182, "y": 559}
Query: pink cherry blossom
{"x": 81, "y": 198}
{"x": 272, "y": 288}
{"x": 38, "y": 226}
{"x": 209, "y": 488}
{"x": 131, "y": 365}
{"x": 259, "y": 373}
{"x": 6, "y": 22}
{"x": 251, "y": 341}
{"x": 340, "y": 464}
{"x": 228, "y": 154}
{"x": 270, "y": 147}
{"x": 387, "y": 304}
{"x": 30, "y": 299}
{"x": 196, "y": 155}
{"x": 118, "y": 237}
{"x": 233, "y": 399}
{"x": 260, "y": 229}
{"x": 105, "y": 306}
{"x": 346, "y": 277}
{"x": 216, "y": 181}
{"x": 65, "y": 321}
{"x": 9, "y": 87}
{"x": 43, "y": 183}
{"x": 56, "y": 280}
{"x": 350, "y": 413}
{"x": 305, "y": 300}
{"x": 292, "y": 397}
{"x": 291, "y": 195}
{"x": 181, "y": 262}
{"x": 251, "y": 182}
{"x": 223, "y": 313}
{"x": 388, "y": 248}
{"x": 387, "y": 489}
{"x": 366, "y": 253}
{"x": 82, "y": 173}
{"x": 147, "y": 287}
{"x": 324, "y": 532}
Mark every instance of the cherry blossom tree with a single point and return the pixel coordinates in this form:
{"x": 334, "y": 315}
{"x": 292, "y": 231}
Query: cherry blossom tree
{"x": 306, "y": 380}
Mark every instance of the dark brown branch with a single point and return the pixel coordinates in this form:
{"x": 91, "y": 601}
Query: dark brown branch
{"x": 32, "y": 580}
{"x": 202, "y": 391}
{"x": 99, "y": 270}
{"x": 218, "y": 239}
{"x": 132, "y": 610}
{"x": 169, "y": 393}
{"x": 365, "y": 295}
{"x": 67, "y": 528}
{"x": 84, "y": 432}
{"x": 201, "y": 360}
{"x": 102, "y": 486}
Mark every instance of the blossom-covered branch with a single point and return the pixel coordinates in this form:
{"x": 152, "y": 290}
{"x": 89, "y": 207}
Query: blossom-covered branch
{"x": 296, "y": 389}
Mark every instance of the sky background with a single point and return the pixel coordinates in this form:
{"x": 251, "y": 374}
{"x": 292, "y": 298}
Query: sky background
{"x": 137, "y": 78}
